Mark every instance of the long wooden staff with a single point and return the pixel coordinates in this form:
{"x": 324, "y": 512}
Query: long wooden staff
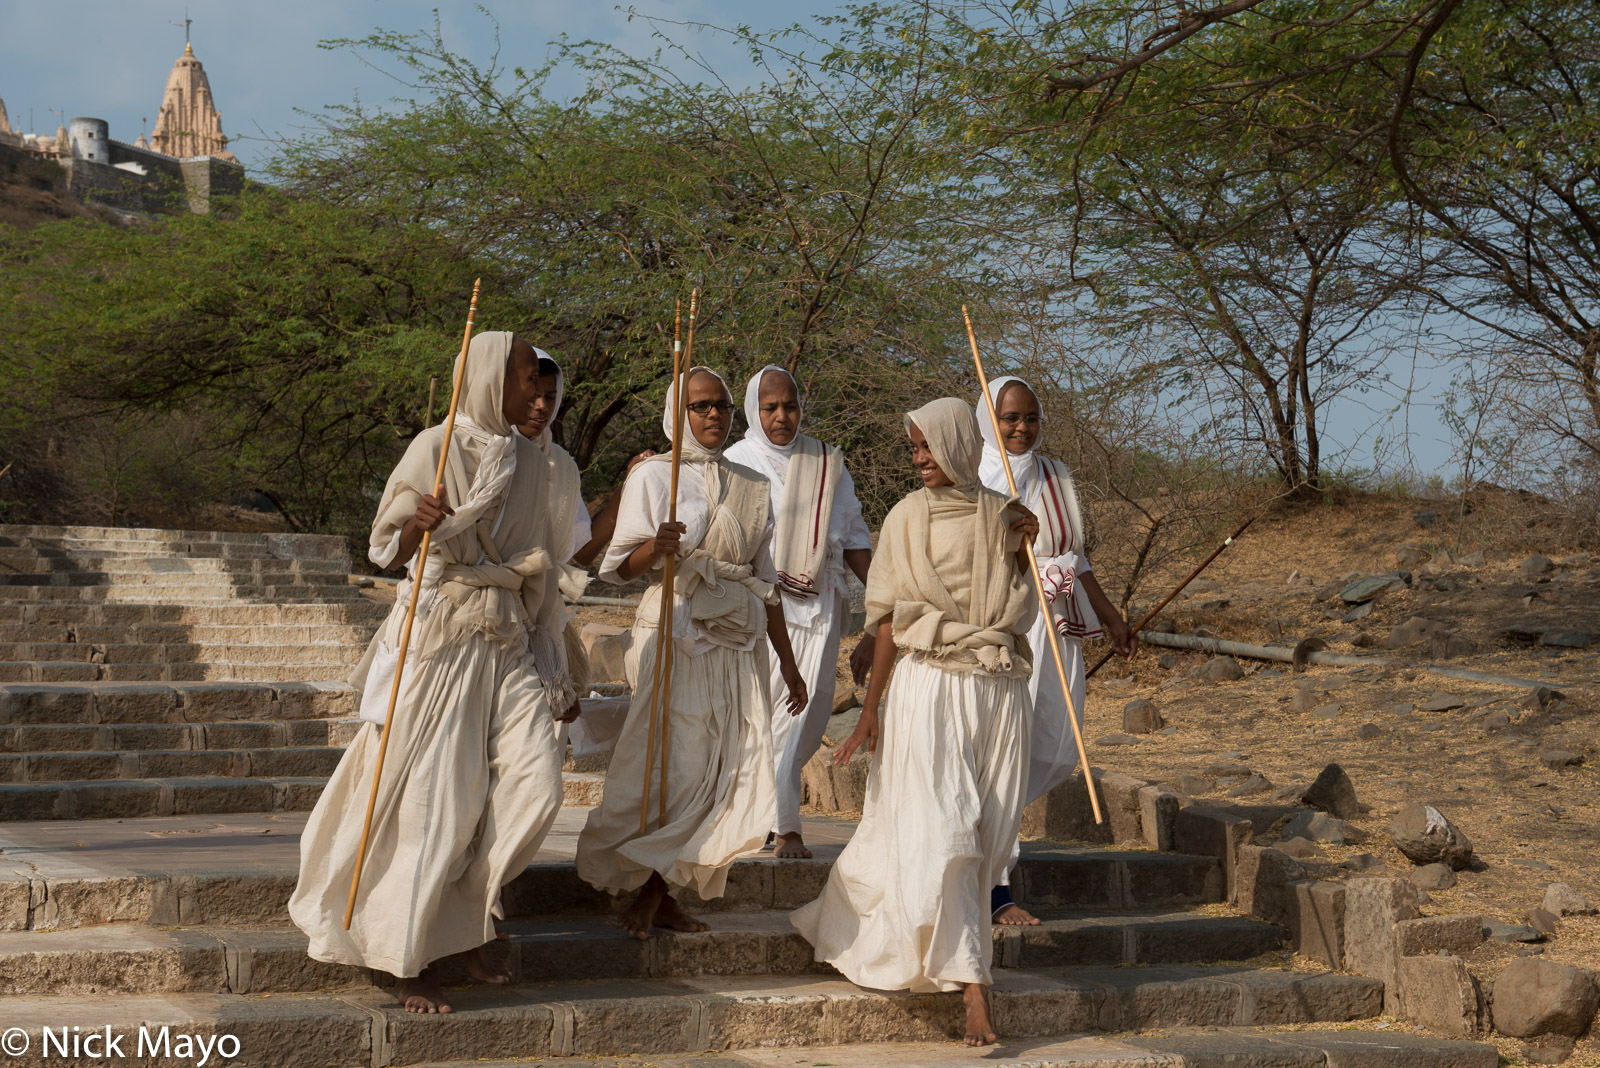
{"x": 1157, "y": 609}
{"x": 411, "y": 609}
{"x": 1038, "y": 583}
{"x": 661, "y": 684}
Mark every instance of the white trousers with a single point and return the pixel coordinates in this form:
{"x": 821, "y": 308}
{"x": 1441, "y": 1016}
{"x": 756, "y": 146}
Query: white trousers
{"x": 796, "y": 739}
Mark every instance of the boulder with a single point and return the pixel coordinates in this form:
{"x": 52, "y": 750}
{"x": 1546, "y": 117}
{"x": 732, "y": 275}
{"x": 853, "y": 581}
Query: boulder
{"x": 1535, "y": 565}
{"x": 1374, "y": 586}
{"x": 1541, "y": 920}
{"x": 1563, "y": 900}
{"x": 1433, "y": 877}
{"x": 1317, "y": 826}
{"x": 1141, "y": 717}
{"x": 1333, "y": 792}
{"x": 1219, "y": 669}
{"x": 1541, "y": 997}
{"x": 607, "y": 647}
{"x": 1426, "y": 836}
{"x": 1512, "y": 932}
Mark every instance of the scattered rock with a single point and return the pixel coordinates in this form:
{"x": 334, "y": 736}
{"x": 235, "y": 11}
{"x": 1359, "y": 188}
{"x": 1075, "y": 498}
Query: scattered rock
{"x": 1255, "y": 784}
{"x": 1368, "y": 731}
{"x": 1425, "y": 836}
{"x": 1317, "y": 826}
{"x": 1411, "y": 554}
{"x": 1439, "y": 701}
{"x": 1374, "y": 586}
{"x": 1361, "y": 862}
{"x": 1219, "y": 669}
{"x": 1412, "y": 630}
{"x": 1358, "y": 613}
{"x": 1194, "y": 785}
{"x": 1226, "y": 770}
{"x": 1433, "y": 877}
{"x": 1448, "y": 646}
{"x": 1518, "y": 635}
{"x": 1117, "y": 739}
{"x": 1334, "y": 793}
{"x": 1166, "y": 661}
{"x": 1327, "y": 711}
{"x": 607, "y": 647}
{"x": 1215, "y": 606}
{"x": 1548, "y": 1049}
{"x": 845, "y": 700}
{"x": 1567, "y": 639}
{"x": 1201, "y": 585}
{"x": 1511, "y": 932}
{"x": 1575, "y": 560}
{"x": 1535, "y": 565}
{"x": 1363, "y": 641}
{"x": 1472, "y": 559}
{"x": 1430, "y": 727}
{"x": 1541, "y": 920}
{"x": 1169, "y": 729}
{"x": 1539, "y": 697}
{"x": 1304, "y": 700}
{"x": 1556, "y": 759}
{"x": 1139, "y": 716}
{"x": 1425, "y": 517}
{"x": 1269, "y": 673}
{"x": 1398, "y": 708}
{"x": 1495, "y": 721}
{"x": 1539, "y": 997}
{"x": 1300, "y": 848}
{"x": 1442, "y": 558}
{"x": 1563, "y": 900}
{"x": 1525, "y": 862}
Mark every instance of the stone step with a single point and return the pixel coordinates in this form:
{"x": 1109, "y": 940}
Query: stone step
{"x": 135, "y": 960}
{"x": 13, "y": 549}
{"x": 181, "y": 783}
{"x": 63, "y": 768}
{"x": 174, "y": 593}
{"x": 691, "y": 1015}
{"x": 48, "y": 671}
{"x": 176, "y": 634}
{"x": 1048, "y": 878}
{"x": 359, "y": 611}
{"x": 127, "y": 738}
{"x": 328, "y": 546}
{"x": 178, "y": 702}
{"x": 125, "y": 652}
{"x": 142, "y": 570}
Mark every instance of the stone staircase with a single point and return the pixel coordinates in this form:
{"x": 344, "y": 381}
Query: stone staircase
{"x": 1131, "y": 943}
{"x": 154, "y": 672}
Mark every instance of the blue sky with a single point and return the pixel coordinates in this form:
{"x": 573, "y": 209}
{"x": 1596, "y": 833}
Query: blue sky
{"x": 110, "y": 59}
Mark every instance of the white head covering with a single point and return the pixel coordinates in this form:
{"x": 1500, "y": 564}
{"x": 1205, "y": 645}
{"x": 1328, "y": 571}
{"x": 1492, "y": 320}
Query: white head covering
{"x": 951, "y": 429}
{"x": 777, "y": 455}
{"x": 693, "y": 451}
{"x": 1022, "y": 465}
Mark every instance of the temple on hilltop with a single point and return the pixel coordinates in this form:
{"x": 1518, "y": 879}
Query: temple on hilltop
{"x": 188, "y": 123}
{"x": 184, "y": 161}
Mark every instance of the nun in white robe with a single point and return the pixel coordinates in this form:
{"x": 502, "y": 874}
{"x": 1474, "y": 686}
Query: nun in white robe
{"x": 906, "y": 906}
{"x": 720, "y": 796}
{"x": 817, "y": 517}
{"x": 472, "y": 777}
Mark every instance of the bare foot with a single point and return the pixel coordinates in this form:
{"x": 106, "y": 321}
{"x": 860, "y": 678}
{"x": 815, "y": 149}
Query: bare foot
{"x": 423, "y": 994}
{"x": 1014, "y": 915}
{"x": 980, "y": 1032}
{"x": 485, "y": 967}
{"x": 791, "y": 847}
{"x": 670, "y": 914}
{"x": 640, "y": 914}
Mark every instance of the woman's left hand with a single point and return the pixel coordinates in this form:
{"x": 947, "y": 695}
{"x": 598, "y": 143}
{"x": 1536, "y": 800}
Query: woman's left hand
{"x": 572, "y": 713}
{"x": 861, "y": 658}
{"x": 1026, "y": 523}
{"x": 798, "y": 697}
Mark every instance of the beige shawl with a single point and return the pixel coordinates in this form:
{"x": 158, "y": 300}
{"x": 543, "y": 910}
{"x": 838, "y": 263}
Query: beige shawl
{"x": 716, "y": 579}
{"x": 943, "y": 570}
{"x": 807, "y": 472}
{"x": 494, "y": 561}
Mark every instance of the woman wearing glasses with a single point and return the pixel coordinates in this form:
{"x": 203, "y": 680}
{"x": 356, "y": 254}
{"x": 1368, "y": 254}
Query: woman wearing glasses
{"x": 719, "y": 789}
{"x": 1079, "y": 608}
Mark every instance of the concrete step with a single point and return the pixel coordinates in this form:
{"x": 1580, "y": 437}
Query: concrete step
{"x": 128, "y": 738}
{"x": 177, "y": 702}
{"x": 691, "y": 1015}
{"x": 267, "y": 960}
{"x": 1233, "y": 1047}
{"x": 180, "y": 783}
{"x": 126, "y": 652}
{"x": 253, "y": 891}
{"x": 358, "y": 612}
{"x": 47, "y": 671}
{"x": 57, "y": 769}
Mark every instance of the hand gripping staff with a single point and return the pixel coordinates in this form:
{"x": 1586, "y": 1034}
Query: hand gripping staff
{"x": 661, "y": 684}
{"x": 411, "y": 609}
{"x": 1038, "y": 584}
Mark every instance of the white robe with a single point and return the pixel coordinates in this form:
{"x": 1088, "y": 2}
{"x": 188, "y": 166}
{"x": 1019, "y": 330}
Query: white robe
{"x": 815, "y": 625}
{"x": 719, "y": 766}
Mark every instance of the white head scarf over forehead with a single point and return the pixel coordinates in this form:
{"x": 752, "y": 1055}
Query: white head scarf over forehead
{"x": 777, "y": 455}
{"x": 693, "y": 451}
{"x": 1022, "y": 465}
{"x": 951, "y": 429}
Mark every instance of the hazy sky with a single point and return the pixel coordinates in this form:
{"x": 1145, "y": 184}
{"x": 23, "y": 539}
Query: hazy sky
{"x": 110, "y": 59}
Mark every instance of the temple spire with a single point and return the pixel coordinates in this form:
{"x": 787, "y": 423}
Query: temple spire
{"x": 188, "y": 123}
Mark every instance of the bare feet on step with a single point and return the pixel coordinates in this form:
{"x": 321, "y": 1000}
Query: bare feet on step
{"x": 980, "y": 1030}
{"x": 423, "y": 994}
{"x": 640, "y": 915}
{"x": 670, "y": 914}
{"x": 1014, "y": 915}
{"x": 791, "y": 847}
{"x": 485, "y": 967}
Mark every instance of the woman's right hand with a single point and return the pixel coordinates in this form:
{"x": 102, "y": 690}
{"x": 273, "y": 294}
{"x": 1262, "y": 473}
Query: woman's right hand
{"x": 866, "y": 733}
{"x": 431, "y": 510}
{"x": 667, "y": 539}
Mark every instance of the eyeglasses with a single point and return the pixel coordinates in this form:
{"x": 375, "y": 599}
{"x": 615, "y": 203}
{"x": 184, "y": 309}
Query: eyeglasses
{"x": 705, "y": 408}
{"x": 1013, "y": 418}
